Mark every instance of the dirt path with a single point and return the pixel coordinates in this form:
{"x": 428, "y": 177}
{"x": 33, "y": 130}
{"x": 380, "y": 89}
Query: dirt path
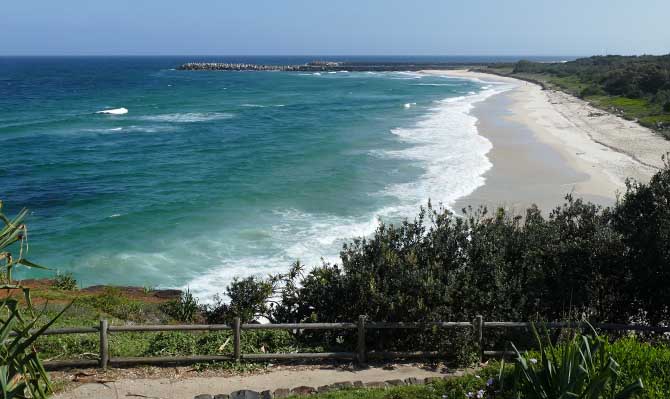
{"x": 189, "y": 387}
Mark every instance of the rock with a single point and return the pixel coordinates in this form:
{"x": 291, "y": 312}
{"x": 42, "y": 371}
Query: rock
{"x": 203, "y": 396}
{"x": 375, "y": 384}
{"x": 282, "y": 393}
{"x": 324, "y": 389}
{"x": 303, "y": 390}
{"x": 222, "y": 396}
{"x": 245, "y": 394}
{"x": 413, "y": 381}
{"x": 430, "y": 380}
{"x": 395, "y": 383}
{"x": 342, "y": 385}
{"x": 358, "y": 384}
{"x": 267, "y": 394}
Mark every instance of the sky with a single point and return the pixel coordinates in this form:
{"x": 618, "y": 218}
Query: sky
{"x": 335, "y": 27}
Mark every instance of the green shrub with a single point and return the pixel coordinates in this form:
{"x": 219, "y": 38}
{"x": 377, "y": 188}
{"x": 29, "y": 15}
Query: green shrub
{"x": 248, "y": 299}
{"x": 112, "y": 302}
{"x": 582, "y": 367}
{"x": 183, "y": 309}
{"x": 219, "y": 343}
{"x": 592, "y": 90}
{"x": 649, "y": 362}
{"x": 65, "y": 282}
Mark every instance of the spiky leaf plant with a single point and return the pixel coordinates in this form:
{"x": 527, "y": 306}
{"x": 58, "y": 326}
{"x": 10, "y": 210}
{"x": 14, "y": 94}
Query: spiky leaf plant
{"x": 580, "y": 368}
{"x": 21, "y": 372}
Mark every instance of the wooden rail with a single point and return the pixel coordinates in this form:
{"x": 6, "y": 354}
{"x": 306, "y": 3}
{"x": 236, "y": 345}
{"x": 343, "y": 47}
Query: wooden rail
{"x": 360, "y": 354}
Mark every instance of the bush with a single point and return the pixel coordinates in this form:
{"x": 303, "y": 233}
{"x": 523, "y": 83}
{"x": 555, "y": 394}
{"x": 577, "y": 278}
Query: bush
{"x": 581, "y": 367}
{"x": 65, "y": 282}
{"x": 112, "y": 302}
{"x": 650, "y": 363}
{"x": 220, "y": 342}
{"x": 591, "y": 90}
{"x": 183, "y": 309}
{"x": 248, "y": 300}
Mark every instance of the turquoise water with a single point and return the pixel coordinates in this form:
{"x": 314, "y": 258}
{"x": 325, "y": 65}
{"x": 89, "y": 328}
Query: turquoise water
{"x": 216, "y": 174}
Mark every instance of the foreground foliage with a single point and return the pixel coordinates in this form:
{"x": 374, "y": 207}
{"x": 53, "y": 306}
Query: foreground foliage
{"x": 582, "y": 367}
{"x": 21, "y": 371}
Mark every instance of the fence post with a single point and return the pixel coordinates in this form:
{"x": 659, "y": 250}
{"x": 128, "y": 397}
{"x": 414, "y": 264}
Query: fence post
{"x": 104, "y": 345}
{"x": 362, "y": 358}
{"x": 236, "y": 339}
{"x": 478, "y": 325}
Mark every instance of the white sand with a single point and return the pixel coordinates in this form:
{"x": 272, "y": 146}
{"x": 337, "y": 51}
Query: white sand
{"x": 602, "y": 148}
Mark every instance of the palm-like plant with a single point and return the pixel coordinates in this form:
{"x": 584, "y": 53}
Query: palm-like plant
{"x": 581, "y": 368}
{"x": 13, "y": 231}
{"x": 21, "y": 372}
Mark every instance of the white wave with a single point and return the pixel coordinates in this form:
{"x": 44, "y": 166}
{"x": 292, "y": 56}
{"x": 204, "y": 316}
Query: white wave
{"x": 436, "y": 84}
{"x": 409, "y": 105}
{"x": 116, "y": 215}
{"x": 317, "y": 74}
{"x": 188, "y": 117}
{"x": 262, "y": 106}
{"x": 445, "y": 144}
{"x": 332, "y": 72}
{"x": 115, "y": 111}
{"x": 311, "y": 238}
{"x": 406, "y": 75}
{"x": 133, "y": 129}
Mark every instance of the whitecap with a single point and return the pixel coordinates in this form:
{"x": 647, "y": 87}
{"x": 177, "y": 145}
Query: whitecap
{"x": 188, "y": 117}
{"x": 115, "y": 111}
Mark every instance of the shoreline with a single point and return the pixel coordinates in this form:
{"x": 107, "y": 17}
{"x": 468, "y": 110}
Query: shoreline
{"x": 548, "y": 144}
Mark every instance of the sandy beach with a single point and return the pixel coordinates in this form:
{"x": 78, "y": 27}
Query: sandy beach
{"x": 547, "y": 144}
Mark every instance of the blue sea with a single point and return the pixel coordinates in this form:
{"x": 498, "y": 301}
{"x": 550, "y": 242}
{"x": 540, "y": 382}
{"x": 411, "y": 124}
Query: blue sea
{"x": 211, "y": 175}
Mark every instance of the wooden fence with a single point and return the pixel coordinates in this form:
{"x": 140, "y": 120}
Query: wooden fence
{"x": 360, "y": 355}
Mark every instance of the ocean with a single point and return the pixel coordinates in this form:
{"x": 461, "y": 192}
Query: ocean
{"x": 211, "y": 175}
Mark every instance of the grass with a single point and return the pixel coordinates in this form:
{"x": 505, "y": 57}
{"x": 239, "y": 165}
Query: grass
{"x": 456, "y": 388}
{"x": 119, "y": 309}
{"x": 649, "y": 362}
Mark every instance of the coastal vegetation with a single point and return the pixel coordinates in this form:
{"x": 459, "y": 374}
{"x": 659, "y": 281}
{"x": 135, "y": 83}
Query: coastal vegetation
{"x": 605, "y": 264}
{"x": 635, "y": 87}
{"x": 21, "y": 371}
{"x": 582, "y": 365}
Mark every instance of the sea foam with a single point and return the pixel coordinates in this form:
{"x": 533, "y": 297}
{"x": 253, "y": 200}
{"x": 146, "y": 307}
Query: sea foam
{"x": 445, "y": 144}
{"x": 188, "y": 117}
